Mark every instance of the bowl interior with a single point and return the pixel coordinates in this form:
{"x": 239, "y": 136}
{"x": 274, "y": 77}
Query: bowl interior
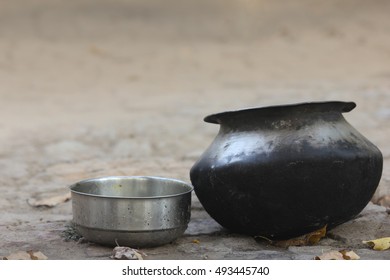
{"x": 132, "y": 187}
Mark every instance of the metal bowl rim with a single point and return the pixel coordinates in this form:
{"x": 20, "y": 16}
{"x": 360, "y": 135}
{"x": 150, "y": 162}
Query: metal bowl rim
{"x": 189, "y": 186}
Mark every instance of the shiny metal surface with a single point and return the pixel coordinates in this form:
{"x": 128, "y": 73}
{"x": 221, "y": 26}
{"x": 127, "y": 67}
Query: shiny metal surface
{"x": 131, "y": 211}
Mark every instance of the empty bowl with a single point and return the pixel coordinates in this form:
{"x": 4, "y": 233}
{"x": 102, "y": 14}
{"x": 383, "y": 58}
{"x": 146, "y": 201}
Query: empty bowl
{"x": 135, "y": 211}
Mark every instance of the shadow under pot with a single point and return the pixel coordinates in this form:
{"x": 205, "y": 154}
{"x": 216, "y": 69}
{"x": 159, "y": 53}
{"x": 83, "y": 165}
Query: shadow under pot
{"x": 284, "y": 171}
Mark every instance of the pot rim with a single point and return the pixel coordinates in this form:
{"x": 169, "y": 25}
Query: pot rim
{"x": 189, "y": 188}
{"x": 321, "y": 106}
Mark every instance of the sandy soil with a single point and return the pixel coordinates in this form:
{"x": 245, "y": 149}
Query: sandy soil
{"x": 92, "y": 88}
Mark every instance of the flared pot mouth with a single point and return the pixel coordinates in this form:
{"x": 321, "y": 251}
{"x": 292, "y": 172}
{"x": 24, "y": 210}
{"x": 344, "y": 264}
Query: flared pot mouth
{"x": 328, "y": 106}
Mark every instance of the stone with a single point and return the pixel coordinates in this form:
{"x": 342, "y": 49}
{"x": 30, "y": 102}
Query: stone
{"x": 203, "y": 226}
{"x": 68, "y": 150}
{"x": 373, "y": 222}
{"x": 136, "y": 148}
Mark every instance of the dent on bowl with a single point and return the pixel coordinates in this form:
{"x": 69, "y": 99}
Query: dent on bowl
{"x": 131, "y": 211}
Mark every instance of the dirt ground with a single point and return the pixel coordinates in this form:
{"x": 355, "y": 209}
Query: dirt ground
{"x": 95, "y": 88}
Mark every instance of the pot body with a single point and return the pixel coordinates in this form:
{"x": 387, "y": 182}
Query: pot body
{"x": 283, "y": 171}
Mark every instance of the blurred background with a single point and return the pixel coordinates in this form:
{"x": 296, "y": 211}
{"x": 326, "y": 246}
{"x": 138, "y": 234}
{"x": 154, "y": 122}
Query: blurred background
{"x": 87, "y": 61}
{"x": 120, "y": 87}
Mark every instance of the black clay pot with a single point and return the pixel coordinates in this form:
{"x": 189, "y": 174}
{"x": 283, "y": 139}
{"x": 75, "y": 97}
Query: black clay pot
{"x": 283, "y": 171}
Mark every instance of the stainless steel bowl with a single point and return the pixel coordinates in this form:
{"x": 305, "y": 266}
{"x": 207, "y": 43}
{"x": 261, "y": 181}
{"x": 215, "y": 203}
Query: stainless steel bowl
{"x": 131, "y": 211}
